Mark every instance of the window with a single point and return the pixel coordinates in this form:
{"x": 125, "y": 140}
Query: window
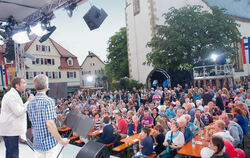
{"x": 70, "y": 74}
{"x": 47, "y": 48}
{"x": 56, "y": 75}
{"x": 49, "y": 74}
{"x": 49, "y": 62}
{"x": 70, "y": 62}
{"x": 38, "y": 48}
{"x": 42, "y": 48}
{"x": 31, "y": 75}
{"x": 38, "y": 60}
{"x": 136, "y": 7}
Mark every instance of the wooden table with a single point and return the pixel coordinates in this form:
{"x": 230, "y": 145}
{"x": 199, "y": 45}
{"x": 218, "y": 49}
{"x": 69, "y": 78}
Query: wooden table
{"x": 131, "y": 139}
{"x": 95, "y": 133}
{"x": 187, "y": 149}
{"x": 134, "y": 138}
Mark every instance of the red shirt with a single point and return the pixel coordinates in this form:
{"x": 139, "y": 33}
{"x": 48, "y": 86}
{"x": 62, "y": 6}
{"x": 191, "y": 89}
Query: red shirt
{"x": 123, "y": 126}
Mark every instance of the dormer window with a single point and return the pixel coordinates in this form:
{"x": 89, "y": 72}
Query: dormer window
{"x": 70, "y": 62}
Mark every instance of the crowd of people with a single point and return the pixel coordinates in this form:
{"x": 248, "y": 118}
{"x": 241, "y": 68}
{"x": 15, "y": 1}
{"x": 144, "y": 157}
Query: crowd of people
{"x": 166, "y": 118}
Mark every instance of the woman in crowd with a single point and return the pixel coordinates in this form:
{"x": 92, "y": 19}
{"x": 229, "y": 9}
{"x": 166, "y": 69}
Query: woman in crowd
{"x": 174, "y": 140}
{"x": 134, "y": 127}
{"x": 159, "y": 138}
{"x": 155, "y": 115}
{"x": 241, "y": 119}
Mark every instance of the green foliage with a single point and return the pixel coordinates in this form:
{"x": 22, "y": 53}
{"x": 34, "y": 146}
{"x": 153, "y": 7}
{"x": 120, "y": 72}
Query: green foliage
{"x": 190, "y": 32}
{"x": 129, "y": 84}
{"x": 117, "y": 64}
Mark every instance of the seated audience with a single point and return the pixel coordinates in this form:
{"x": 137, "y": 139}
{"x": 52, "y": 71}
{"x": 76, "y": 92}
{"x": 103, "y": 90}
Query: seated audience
{"x": 145, "y": 144}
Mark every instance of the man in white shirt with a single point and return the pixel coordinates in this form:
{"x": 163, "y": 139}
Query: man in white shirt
{"x": 13, "y": 121}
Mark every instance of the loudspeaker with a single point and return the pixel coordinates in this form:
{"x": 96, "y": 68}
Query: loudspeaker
{"x": 94, "y": 17}
{"x": 10, "y": 50}
{"x": 93, "y": 150}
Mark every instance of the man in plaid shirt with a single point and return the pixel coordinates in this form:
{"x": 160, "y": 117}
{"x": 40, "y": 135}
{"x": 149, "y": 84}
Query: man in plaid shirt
{"x": 42, "y": 114}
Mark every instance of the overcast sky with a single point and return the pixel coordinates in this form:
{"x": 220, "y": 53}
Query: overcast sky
{"x": 74, "y": 34}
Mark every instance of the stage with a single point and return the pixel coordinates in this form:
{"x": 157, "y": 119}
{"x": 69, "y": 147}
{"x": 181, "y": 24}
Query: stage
{"x": 70, "y": 151}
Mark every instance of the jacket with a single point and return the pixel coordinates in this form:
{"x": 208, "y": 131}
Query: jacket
{"x": 13, "y": 121}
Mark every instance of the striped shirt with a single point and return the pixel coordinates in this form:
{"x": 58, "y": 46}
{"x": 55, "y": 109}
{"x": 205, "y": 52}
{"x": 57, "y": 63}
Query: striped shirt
{"x": 40, "y": 109}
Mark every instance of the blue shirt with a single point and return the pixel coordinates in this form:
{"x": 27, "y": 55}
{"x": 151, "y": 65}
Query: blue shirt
{"x": 170, "y": 114}
{"x": 243, "y": 122}
{"x": 40, "y": 109}
{"x": 147, "y": 145}
{"x": 107, "y": 135}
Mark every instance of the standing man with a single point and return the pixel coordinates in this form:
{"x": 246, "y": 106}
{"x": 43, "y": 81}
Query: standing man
{"x": 42, "y": 114}
{"x": 13, "y": 121}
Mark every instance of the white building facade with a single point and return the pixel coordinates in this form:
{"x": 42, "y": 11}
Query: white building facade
{"x": 53, "y": 60}
{"x": 91, "y": 71}
{"x": 143, "y": 15}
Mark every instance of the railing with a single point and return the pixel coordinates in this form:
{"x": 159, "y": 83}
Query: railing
{"x": 213, "y": 71}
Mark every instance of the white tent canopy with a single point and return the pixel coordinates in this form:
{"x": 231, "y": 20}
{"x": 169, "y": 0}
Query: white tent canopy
{"x": 28, "y": 11}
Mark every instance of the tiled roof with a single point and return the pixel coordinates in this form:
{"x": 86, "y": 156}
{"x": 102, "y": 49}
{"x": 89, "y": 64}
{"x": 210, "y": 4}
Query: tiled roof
{"x": 236, "y": 8}
{"x": 64, "y": 64}
{"x": 91, "y": 54}
{"x": 62, "y": 51}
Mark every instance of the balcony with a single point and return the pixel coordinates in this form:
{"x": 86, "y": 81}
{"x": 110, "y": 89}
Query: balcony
{"x": 213, "y": 71}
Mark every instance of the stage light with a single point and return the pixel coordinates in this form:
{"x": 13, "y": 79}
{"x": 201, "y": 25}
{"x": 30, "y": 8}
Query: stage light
{"x": 70, "y": 9}
{"x": 38, "y": 29}
{"x": 90, "y": 78}
{"x": 214, "y": 57}
{"x": 21, "y": 37}
{"x": 46, "y": 36}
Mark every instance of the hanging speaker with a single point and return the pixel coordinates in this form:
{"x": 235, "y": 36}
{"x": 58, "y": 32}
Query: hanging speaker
{"x": 93, "y": 150}
{"x": 94, "y": 17}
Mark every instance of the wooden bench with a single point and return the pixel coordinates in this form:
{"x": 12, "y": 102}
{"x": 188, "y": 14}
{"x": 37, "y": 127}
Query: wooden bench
{"x": 79, "y": 143}
{"x": 152, "y": 155}
{"x": 120, "y": 147}
{"x": 74, "y": 137}
{"x": 110, "y": 144}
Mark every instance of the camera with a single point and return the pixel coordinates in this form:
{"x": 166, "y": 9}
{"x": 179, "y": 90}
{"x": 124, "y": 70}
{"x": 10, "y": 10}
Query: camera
{"x": 169, "y": 142}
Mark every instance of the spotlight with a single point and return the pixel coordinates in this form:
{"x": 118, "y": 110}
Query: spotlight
{"x": 90, "y": 78}
{"x": 70, "y": 9}
{"x": 21, "y": 37}
{"x": 46, "y": 36}
{"x": 214, "y": 57}
{"x": 38, "y": 29}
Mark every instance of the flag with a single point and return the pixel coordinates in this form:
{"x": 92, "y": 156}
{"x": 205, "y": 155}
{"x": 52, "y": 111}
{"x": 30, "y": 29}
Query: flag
{"x": 243, "y": 51}
{"x": 1, "y": 71}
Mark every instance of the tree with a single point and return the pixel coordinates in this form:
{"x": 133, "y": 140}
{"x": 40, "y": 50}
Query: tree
{"x": 117, "y": 64}
{"x": 190, "y": 32}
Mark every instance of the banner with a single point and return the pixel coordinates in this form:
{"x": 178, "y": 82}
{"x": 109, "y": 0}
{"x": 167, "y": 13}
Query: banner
{"x": 245, "y": 46}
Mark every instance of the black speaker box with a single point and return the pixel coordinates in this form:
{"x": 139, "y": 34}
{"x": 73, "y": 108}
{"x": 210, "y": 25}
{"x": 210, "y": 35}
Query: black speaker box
{"x": 93, "y": 150}
{"x": 94, "y": 17}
